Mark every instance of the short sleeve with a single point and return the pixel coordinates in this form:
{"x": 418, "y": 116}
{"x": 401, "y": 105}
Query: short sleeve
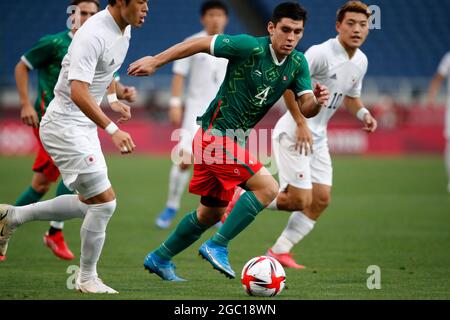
{"x": 444, "y": 66}
{"x": 40, "y": 54}
{"x": 234, "y": 47}
{"x": 85, "y": 52}
{"x": 317, "y": 62}
{"x": 355, "y": 91}
{"x": 302, "y": 83}
{"x": 182, "y": 66}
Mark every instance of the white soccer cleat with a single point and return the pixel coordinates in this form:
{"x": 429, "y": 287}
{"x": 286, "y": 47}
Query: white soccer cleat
{"x": 93, "y": 286}
{"x": 6, "y": 229}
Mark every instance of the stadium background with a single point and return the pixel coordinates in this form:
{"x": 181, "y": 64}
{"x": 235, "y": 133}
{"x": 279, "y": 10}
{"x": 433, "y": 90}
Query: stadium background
{"x": 387, "y": 210}
{"x": 403, "y": 55}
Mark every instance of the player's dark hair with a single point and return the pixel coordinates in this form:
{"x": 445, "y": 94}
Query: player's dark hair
{"x": 213, "y": 4}
{"x": 113, "y": 2}
{"x": 352, "y": 6}
{"x": 292, "y": 10}
{"x": 77, "y": 2}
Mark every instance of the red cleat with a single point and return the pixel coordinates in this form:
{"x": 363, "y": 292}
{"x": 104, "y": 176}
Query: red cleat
{"x": 285, "y": 259}
{"x": 58, "y": 245}
{"x": 2, "y": 258}
{"x": 237, "y": 194}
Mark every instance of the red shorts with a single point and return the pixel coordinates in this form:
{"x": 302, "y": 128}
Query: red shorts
{"x": 220, "y": 164}
{"x": 43, "y": 162}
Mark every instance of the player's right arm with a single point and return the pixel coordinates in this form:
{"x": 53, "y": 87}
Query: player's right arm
{"x": 304, "y": 143}
{"x": 176, "y": 104}
{"x": 85, "y": 51}
{"x": 28, "y": 115}
{"x": 223, "y": 46}
{"x": 81, "y": 96}
{"x": 434, "y": 88}
{"x": 40, "y": 54}
{"x": 439, "y": 77}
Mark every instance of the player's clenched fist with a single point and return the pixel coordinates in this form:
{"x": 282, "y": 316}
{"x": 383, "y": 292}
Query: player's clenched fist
{"x": 143, "y": 67}
{"x": 321, "y": 93}
{"x": 122, "y": 140}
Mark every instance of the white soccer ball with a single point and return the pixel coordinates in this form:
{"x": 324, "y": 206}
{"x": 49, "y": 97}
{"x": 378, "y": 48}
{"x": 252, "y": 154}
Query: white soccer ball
{"x": 263, "y": 277}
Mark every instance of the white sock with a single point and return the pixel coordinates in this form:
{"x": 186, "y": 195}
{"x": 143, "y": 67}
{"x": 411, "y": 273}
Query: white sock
{"x": 60, "y": 208}
{"x": 93, "y": 233}
{"x": 178, "y": 180}
{"x": 299, "y": 225}
{"x": 57, "y": 224}
{"x": 273, "y": 205}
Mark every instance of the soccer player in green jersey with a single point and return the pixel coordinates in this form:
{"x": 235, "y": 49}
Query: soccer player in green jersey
{"x": 259, "y": 71}
{"x": 46, "y": 57}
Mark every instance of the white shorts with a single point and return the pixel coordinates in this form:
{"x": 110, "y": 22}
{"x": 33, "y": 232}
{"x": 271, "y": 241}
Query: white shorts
{"x": 298, "y": 170}
{"x": 188, "y": 129}
{"x": 75, "y": 150}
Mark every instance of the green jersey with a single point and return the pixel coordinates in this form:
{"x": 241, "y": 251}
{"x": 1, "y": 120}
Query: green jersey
{"x": 254, "y": 82}
{"x": 46, "y": 56}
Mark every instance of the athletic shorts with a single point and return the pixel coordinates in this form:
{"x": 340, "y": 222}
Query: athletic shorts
{"x": 75, "y": 149}
{"x": 298, "y": 170}
{"x": 220, "y": 164}
{"x": 43, "y": 163}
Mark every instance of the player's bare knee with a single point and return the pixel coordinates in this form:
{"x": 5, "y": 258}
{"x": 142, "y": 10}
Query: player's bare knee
{"x": 323, "y": 200}
{"x": 299, "y": 201}
{"x": 269, "y": 193}
{"x": 41, "y": 187}
{"x": 184, "y": 166}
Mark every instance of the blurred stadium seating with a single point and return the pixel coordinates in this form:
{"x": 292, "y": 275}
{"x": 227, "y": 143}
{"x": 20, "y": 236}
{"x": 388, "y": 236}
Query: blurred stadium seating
{"x": 403, "y": 54}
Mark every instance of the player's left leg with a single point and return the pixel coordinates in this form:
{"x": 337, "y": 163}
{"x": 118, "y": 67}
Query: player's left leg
{"x": 261, "y": 190}
{"x": 178, "y": 179}
{"x": 189, "y": 230}
{"x": 54, "y": 237}
{"x": 302, "y": 222}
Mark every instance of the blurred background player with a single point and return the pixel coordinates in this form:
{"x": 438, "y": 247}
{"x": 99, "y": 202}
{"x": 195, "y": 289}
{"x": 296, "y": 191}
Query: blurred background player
{"x": 46, "y": 57}
{"x": 204, "y": 74}
{"x": 260, "y": 71}
{"x": 300, "y": 145}
{"x": 443, "y": 72}
{"x": 69, "y": 133}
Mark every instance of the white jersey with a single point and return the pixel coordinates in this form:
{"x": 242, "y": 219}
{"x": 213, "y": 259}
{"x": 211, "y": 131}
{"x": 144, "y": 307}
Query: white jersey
{"x": 329, "y": 65}
{"x": 205, "y": 74}
{"x": 444, "y": 71}
{"x": 97, "y": 51}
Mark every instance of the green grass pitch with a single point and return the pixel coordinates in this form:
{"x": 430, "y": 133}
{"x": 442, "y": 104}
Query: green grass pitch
{"x": 389, "y": 212}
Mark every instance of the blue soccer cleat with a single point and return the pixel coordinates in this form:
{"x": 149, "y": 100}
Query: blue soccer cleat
{"x": 218, "y": 257}
{"x": 165, "y": 269}
{"x": 165, "y": 218}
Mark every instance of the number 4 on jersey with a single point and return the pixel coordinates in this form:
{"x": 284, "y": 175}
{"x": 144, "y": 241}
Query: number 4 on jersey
{"x": 262, "y": 96}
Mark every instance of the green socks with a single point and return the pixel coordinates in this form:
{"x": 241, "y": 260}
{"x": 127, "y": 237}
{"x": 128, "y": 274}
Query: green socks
{"x": 61, "y": 189}
{"x": 28, "y": 196}
{"x": 187, "y": 232}
{"x": 243, "y": 213}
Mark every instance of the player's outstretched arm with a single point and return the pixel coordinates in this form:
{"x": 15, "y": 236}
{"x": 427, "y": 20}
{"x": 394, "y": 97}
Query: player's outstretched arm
{"x": 27, "y": 113}
{"x": 356, "y": 107}
{"x": 148, "y": 65}
{"x": 82, "y": 98}
{"x": 310, "y": 104}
